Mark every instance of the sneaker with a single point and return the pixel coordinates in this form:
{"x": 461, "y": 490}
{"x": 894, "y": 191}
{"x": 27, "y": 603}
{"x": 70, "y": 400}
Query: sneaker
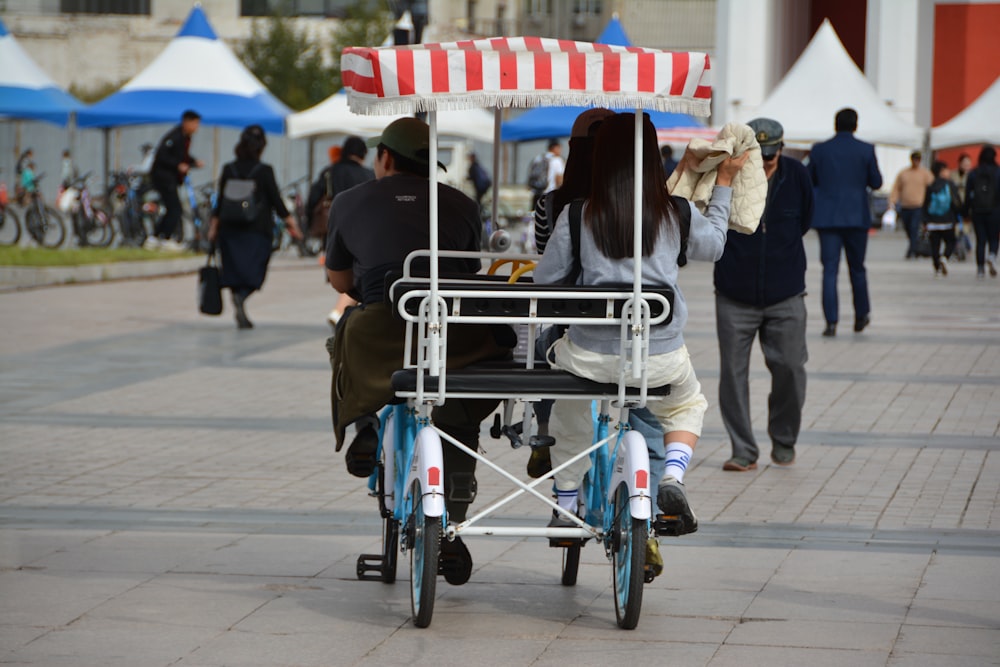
{"x": 739, "y": 464}
{"x": 671, "y": 499}
{"x": 944, "y": 266}
{"x": 991, "y": 264}
{"x": 539, "y": 463}
{"x": 170, "y": 245}
{"x": 454, "y": 561}
{"x": 151, "y": 243}
{"x": 980, "y": 274}
{"x": 654, "y": 561}
{"x": 782, "y": 455}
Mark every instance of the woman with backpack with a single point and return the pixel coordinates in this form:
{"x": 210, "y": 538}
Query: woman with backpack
{"x": 605, "y": 257}
{"x": 941, "y": 208}
{"x": 242, "y": 223}
{"x": 982, "y": 204}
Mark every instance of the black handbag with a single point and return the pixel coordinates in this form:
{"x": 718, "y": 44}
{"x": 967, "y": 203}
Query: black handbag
{"x": 209, "y": 286}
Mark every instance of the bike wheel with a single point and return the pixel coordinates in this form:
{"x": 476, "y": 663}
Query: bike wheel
{"x": 628, "y": 555}
{"x": 45, "y": 226}
{"x": 10, "y": 227}
{"x": 99, "y": 231}
{"x": 424, "y": 543}
{"x": 570, "y": 564}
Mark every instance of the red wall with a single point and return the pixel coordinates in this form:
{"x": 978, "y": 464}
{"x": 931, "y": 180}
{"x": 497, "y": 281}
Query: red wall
{"x": 966, "y": 60}
{"x": 849, "y": 19}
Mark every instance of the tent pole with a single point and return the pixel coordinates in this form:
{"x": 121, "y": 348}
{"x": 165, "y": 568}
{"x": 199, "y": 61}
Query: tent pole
{"x": 494, "y": 214}
{"x": 311, "y": 162}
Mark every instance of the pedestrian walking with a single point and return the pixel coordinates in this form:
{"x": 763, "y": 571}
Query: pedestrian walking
{"x": 843, "y": 169}
{"x": 244, "y": 242}
{"x": 982, "y": 204}
{"x": 941, "y": 209}
{"x": 760, "y": 287}
{"x": 908, "y": 192}
{"x": 545, "y": 172}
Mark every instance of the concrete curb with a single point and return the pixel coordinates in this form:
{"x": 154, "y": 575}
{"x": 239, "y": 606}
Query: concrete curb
{"x": 20, "y": 277}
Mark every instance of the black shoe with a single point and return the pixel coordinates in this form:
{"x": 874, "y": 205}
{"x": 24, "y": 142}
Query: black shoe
{"x": 782, "y": 455}
{"x": 360, "y": 456}
{"x": 671, "y": 499}
{"x": 830, "y": 330}
{"x": 861, "y": 323}
{"x": 454, "y": 561}
{"x": 540, "y": 462}
{"x": 242, "y": 321}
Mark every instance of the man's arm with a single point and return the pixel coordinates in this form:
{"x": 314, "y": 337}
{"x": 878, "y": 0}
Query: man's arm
{"x": 874, "y": 175}
{"x": 342, "y": 281}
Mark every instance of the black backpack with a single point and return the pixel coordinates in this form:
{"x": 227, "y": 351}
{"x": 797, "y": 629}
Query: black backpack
{"x": 983, "y": 195}
{"x": 576, "y": 221}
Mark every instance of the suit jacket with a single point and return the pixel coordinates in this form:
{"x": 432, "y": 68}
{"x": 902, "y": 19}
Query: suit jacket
{"x": 842, "y": 170}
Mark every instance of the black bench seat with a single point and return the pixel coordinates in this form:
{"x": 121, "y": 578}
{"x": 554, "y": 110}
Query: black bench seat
{"x": 495, "y": 380}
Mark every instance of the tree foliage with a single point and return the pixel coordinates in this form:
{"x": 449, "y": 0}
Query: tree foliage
{"x": 288, "y": 62}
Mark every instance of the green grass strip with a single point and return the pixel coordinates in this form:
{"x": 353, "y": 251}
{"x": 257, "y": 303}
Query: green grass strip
{"x": 15, "y": 256}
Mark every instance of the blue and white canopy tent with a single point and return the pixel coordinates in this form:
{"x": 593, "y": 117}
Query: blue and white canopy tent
{"x": 26, "y": 91}
{"x": 195, "y": 71}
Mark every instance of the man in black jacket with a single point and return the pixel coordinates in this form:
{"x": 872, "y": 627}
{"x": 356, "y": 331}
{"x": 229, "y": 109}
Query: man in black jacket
{"x": 171, "y": 164}
{"x": 759, "y": 290}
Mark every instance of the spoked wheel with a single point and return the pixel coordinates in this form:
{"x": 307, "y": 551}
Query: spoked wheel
{"x": 570, "y": 564}
{"x": 99, "y": 231}
{"x": 45, "y": 226}
{"x": 425, "y": 543}
{"x": 10, "y": 227}
{"x": 628, "y": 555}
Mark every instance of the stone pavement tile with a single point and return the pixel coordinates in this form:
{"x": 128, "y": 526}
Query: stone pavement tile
{"x": 924, "y": 660}
{"x": 677, "y": 628}
{"x": 184, "y": 600}
{"x": 136, "y": 551}
{"x": 892, "y": 574}
{"x": 102, "y": 641}
{"x": 13, "y": 637}
{"x": 768, "y": 656}
{"x": 694, "y": 601}
{"x": 961, "y": 613}
{"x": 689, "y": 566}
{"x": 623, "y": 650}
{"x": 277, "y": 556}
{"x": 961, "y": 577}
{"x": 947, "y": 642}
{"x": 783, "y": 602}
{"x": 20, "y": 547}
{"x": 854, "y": 635}
{"x": 332, "y": 648}
{"x": 43, "y": 598}
{"x": 423, "y": 648}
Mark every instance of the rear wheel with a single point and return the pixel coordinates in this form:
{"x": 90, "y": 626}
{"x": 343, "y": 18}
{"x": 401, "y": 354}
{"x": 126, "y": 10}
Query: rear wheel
{"x": 425, "y": 544}
{"x": 628, "y": 557}
{"x": 45, "y": 226}
{"x": 10, "y": 227}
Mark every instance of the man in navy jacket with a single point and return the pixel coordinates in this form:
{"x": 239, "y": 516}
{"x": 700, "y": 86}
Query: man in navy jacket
{"x": 760, "y": 286}
{"x": 843, "y": 169}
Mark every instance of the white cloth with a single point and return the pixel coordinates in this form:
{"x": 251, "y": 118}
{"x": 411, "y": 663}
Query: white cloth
{"x": 889, "y": 219}
{"x": 556, "y": 168}
{"x": 749, "y": 185}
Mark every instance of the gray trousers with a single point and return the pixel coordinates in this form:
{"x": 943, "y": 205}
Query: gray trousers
{"x": 782, "y": 332}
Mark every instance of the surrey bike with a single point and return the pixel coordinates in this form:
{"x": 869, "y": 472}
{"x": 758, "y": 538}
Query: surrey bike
{"x": 615, "y": 499}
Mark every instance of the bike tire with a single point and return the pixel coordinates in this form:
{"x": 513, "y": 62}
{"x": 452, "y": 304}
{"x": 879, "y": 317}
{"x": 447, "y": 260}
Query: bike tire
{"x": 45, "y": 226}
{"x": 425, "y": 545}
{"x": 99, "y": 231}
{"x": 10, "y": 227}
{"x": 570, "y": 564}
{"x": 628, "y": 557}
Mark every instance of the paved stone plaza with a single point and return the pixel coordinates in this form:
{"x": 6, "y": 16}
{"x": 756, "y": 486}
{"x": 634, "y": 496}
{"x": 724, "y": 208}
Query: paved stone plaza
{"x": 169, "y": 495}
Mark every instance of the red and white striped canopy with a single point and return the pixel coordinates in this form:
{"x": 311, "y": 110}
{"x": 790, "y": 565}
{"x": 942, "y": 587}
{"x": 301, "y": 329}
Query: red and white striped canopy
{"x": 524, "y": 72}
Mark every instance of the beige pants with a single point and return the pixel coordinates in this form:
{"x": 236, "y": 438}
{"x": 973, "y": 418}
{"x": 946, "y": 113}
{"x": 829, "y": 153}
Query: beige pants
{"x": 571, "y": 424}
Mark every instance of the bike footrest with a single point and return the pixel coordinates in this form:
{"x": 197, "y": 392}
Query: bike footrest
{"x": 668, "y": 525}
{"x": 370, "y": 563}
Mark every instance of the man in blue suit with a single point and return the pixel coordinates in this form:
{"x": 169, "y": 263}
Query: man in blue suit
{"x": 842, "y": 170}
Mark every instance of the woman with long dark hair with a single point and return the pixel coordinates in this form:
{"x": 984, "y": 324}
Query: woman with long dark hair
{"x": 606, "y": 236}
{"x": 245, "y": 245}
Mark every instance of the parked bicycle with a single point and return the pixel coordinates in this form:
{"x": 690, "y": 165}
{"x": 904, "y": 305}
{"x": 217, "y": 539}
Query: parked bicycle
{"x": 10, "y": 224}
{"x": 91, "y": 224}
{"x": 295, "y": 202}
{"x": 43, "y": 223}
{"x": 134, "y": 207}
{"x": 201, "y": 202}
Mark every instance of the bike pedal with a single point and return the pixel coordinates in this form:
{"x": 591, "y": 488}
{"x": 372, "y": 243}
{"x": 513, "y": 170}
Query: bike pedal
{"x": 370, "y": 563}
{"x": 668, "y": 525}
{"x": 647, "y": 574}
{"x": 565, "y": 542}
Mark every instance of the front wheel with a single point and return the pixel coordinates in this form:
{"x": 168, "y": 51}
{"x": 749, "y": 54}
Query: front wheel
{"x": 628, "y": 556}
{"x": 10, "y": 227}
{"x": 98, "y": 231}
{"x": 45, "y": 226}
{"x": 425, "y": 544}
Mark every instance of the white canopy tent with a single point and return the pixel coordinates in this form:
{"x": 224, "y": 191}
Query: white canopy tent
{"x": 824, "y": 80}
{"x": 979, "y": 123}
{"x": 332, "y": 116}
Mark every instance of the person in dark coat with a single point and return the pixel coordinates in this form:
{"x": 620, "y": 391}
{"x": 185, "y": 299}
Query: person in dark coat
{"x": 843, "y": 169}
{"x": 983, "y": 207}
{"x": 245, "y": 248}
{"x": 171, "y": 164}
{"x": 760, "y": 288}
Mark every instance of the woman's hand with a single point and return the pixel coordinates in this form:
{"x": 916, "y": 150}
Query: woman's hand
{"x": 293, "y": 228}
{"x": 213, "y": 229}
{"x": 729, "y": 167}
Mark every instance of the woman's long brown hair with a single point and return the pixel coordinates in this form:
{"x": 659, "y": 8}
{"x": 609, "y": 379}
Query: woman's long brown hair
{"x": 610, "y": 211}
